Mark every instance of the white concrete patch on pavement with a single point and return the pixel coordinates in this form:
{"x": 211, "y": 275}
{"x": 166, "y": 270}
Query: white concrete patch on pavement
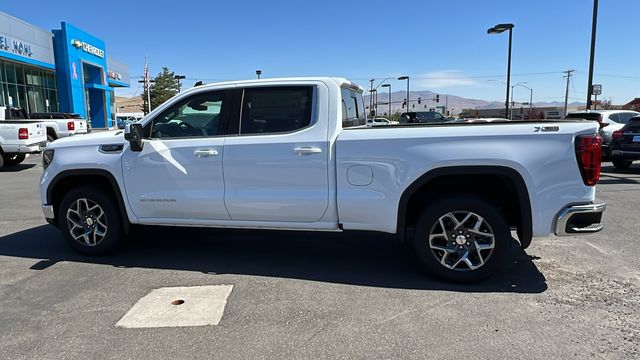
{"x": 178, "y": 306}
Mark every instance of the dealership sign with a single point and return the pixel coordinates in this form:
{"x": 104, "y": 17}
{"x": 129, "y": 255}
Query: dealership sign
{"x": 88, "y": 48}
{"x": 18, "y": 47}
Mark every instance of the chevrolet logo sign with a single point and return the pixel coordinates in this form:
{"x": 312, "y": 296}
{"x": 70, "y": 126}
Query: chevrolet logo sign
{"x": 88, "y": 48}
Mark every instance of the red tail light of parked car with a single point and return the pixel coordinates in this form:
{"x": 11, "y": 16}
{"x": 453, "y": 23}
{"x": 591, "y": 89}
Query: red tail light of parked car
{"x": 618, "y": 134}
{"x": 23, "y": 133}
{"x": 71, "y": 126}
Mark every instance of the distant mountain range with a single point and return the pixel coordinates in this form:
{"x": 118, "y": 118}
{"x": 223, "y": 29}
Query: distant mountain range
{"x": 454, "y": 103}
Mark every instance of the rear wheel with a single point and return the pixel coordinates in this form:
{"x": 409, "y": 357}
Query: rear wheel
{"x": 14, "y": 159}
{"x": 90, "y": 220}
{"x": 462, "y": 238}
{"x": 622, "y": 164}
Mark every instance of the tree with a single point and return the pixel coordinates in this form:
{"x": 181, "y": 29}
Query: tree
{"x": 163, "y": 87}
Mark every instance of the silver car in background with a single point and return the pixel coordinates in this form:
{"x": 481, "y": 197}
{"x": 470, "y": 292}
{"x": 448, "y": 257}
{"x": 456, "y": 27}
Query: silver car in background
{"x": 610, "y": 121}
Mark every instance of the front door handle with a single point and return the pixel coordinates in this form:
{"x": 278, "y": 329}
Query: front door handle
{"x": 307, "y": 150}
{"x": 205, "y": 152}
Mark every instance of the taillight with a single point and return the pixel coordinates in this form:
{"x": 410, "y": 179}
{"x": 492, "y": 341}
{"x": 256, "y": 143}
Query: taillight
{"x": 23, "y": 133}
{"x": 617, "y": 134}
{"x": 588, "y": 153}
{"x": 71, "y": 125}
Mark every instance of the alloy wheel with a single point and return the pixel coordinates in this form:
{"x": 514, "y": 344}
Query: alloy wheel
{"x": 462, "y": 240}
{"x": 87, "y": 222}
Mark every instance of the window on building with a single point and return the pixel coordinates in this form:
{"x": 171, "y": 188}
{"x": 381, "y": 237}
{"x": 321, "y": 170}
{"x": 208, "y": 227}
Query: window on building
{"x": 268, "y": 110}
{"x": 10, "y": 72}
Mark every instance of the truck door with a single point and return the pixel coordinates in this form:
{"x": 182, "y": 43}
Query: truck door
{"x": 276, "y": 168}
{"x": 178, "y": 173}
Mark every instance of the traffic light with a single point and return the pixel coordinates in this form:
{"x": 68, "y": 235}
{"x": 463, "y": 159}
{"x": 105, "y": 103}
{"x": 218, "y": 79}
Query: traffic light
{"x": 437, "y": 98}
{"x": 404, "y": 103}
{"x": 419, "y": 100}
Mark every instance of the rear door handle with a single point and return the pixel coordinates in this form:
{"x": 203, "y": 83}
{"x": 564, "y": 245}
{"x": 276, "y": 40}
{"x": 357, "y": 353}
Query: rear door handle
{"x": 205, "y": 152}
{"x": 307, "y": 150}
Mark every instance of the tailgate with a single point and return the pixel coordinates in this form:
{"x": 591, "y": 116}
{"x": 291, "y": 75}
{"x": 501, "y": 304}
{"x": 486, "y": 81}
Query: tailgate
{"x": 37, "y": 132}
{"x": 81, "y": 126}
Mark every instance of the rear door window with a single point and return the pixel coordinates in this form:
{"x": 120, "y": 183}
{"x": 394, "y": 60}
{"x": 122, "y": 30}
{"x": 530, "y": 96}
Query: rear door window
{"x": 624, "y": 117}
{"x": 269, "y": 110}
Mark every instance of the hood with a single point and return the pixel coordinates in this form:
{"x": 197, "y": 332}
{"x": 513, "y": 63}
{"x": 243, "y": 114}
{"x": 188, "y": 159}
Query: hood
{"x": 95, "y": 138}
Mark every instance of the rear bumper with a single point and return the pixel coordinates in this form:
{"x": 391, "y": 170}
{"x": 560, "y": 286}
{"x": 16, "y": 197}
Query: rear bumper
{"x": 626, "y": 155}
{"x": 580, "y": 219}
{"x": 31, "y": 148}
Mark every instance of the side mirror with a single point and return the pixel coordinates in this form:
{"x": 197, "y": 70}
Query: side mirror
{"x": 133, "y": 134}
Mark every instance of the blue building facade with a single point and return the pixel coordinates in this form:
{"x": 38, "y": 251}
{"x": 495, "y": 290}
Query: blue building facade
{"x": 85, "y": 83}
{"x": 67, "y": 70}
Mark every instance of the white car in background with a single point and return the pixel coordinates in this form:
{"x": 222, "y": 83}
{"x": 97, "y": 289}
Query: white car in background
{"x": 381, "y": 121}
{"x": 610, "y": 121}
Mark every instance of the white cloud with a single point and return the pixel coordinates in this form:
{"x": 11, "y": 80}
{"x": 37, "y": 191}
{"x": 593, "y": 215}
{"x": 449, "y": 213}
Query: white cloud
{"x": 445, "y": 79}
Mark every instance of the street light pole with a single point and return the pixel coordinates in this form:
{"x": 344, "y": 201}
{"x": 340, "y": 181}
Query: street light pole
{"x": 512, "y": 104}
{"x": 592, "y": 52}
{"x": 258, "y": 73}
{"x": 497, "y": 30}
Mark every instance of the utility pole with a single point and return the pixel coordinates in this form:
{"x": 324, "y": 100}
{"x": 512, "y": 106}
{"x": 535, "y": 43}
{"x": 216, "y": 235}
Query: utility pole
{"x": 592, "y": 52}
{"x": 566, "y": 94}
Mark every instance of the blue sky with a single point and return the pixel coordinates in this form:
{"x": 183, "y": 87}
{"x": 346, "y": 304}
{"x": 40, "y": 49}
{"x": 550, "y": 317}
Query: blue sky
{"x": 442, "y": 45}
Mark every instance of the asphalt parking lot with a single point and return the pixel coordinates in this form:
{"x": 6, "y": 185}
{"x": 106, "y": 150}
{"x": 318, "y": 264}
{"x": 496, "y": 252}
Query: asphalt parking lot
{"x": 315, "y": 295}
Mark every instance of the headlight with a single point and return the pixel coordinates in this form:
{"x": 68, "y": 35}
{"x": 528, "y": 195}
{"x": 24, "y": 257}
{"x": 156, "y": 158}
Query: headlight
{"x": 47, "y": 157}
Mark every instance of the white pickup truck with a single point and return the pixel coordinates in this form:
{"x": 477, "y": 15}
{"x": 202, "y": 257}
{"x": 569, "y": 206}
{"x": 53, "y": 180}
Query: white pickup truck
{"x": 58, "y": 124}
{"x": 295, "y": 154}
{"x": 18, "y": 138}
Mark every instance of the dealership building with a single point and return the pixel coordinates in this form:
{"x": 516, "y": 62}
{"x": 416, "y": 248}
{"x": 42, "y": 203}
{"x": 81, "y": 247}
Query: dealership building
{"x": 65, "y": 70}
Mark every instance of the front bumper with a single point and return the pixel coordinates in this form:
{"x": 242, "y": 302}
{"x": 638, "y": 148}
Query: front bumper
{"x": 49, "y": 214}
{"x": 580, "y": 219}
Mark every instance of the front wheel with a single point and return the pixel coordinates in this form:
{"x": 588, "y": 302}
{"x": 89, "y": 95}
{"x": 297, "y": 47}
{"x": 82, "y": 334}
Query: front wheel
{"x": 462, "y": 238}
{"x": 90, "y": 220}
{"x": 13, "y": 160}
{"x": 621, "y": 164}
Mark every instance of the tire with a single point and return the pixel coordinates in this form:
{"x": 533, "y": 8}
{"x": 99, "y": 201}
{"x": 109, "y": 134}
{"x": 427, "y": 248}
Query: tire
{"x": 463, "y": 262}
{"x": 1, "y": 159}
{"x": 14, "y": 159}
{"x": 90, "y": 221}
{"x": 621, "y": 164}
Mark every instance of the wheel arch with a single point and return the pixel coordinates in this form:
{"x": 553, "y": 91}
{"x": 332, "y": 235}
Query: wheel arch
{"x": 424, "y": 188}
{"x": 68, "y": 179}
